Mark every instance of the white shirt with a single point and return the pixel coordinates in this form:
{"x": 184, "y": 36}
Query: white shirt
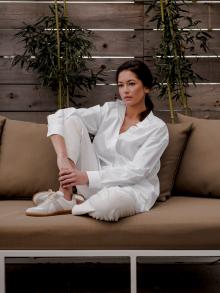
{"x": 130, "y": 159}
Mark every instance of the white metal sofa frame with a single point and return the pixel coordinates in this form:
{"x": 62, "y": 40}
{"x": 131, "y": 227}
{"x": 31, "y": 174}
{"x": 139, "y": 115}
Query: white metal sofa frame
{"x": 131, "y": 254}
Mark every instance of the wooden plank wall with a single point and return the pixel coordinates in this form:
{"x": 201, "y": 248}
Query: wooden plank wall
{"x": 121, "y": 31}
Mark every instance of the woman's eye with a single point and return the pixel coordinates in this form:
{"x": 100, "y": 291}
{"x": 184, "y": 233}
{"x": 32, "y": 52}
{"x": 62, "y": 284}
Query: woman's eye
{"x": 131, "y": 84}
{"x": 120, "y": 85}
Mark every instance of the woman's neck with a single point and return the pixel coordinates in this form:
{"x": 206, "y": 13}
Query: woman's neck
{"x": 133, "y": 113}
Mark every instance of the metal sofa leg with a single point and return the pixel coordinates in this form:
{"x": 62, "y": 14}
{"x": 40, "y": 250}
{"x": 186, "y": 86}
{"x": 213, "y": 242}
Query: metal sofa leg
{"x": 133, "y": 276}
{"x": 2, "y": 274}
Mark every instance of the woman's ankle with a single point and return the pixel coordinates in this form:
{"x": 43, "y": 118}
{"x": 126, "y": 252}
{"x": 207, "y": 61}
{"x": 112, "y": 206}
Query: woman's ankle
{"x": 67, "y": 193}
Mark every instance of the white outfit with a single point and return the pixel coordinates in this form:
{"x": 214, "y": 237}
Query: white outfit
{"x": 122, "y": 168}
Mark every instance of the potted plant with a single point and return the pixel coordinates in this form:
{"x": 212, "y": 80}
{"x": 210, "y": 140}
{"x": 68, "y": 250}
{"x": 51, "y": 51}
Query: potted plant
{"x": 59, "y": 52}
{"x": 174, "y": 71}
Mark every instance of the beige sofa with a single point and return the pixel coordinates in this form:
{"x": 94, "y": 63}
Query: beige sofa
{"x": 185, "y": 220}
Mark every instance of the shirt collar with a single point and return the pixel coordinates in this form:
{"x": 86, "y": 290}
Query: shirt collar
{"x": 144, "y": 122}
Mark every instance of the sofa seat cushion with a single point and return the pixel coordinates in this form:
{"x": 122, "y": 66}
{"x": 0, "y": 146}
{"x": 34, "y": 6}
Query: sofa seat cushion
{"x": 179, "y": 223}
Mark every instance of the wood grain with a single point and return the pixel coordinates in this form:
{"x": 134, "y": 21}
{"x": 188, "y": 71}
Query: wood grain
{"x": 22, "y": 97}
{"x": 107, "y": 43}
{"x": 113, "y": 15}
{"x": 33, "y": 98}
{"x": 207, "y": 13}
{"x": 152, "y": 41}
{"x": 15, "y": 75}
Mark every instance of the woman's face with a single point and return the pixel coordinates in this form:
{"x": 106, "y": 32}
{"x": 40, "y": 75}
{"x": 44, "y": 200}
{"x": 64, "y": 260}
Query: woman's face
{"x": 131, "y": 89}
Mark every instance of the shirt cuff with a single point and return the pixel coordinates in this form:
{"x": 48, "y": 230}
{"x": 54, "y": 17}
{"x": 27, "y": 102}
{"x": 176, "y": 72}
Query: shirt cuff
{"x": 94, "y": 179}
{"x": 55, "y": 130}
{"x": 54, "y": 126}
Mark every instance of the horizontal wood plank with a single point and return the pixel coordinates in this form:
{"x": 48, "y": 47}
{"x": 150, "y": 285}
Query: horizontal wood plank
{"x": 26, "y": 98}
{"x": 202, "y": 66}
{"x": 165, "y": 115}
{"x": 107, "y": 43}
{"x": 152, "y": 41}
{"x": 207, "y": 13}
{"x": 15, "y": 75}
{"x": 32, "y": 98}
{"x": 38, "y": 117}
{"x": 113, "y": 15}
{"x": 203, "y": 98}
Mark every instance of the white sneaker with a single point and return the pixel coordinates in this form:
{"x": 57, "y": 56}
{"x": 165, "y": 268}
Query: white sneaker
{"x": 55, "y": 204}
{"x": 40, "y": 197}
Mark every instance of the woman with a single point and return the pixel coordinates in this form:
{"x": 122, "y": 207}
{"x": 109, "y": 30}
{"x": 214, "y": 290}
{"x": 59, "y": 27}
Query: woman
{"x": 117, "y": 173}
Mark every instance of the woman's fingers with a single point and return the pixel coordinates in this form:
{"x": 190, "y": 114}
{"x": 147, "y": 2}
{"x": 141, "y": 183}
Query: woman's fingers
{"x": 65, "y": 172}
{"x": 67, "y": 181}
{"x": 63, "y": 177}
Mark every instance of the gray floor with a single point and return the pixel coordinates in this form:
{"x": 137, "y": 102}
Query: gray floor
{"x": 109, "y": 278}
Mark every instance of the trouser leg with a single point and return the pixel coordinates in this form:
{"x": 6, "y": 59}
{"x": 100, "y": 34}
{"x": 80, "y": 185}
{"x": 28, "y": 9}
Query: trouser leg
{"x": 80, "y": 149}
{"x": 109, "y": 204}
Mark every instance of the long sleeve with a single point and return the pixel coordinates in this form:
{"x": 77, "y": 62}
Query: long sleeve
{"x": 91, "y": 117}
{"x": 145, "y": 160}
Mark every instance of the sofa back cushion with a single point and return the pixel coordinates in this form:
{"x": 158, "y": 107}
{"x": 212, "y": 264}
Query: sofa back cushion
{"x": 170, "y": 160}
{"x": 200, "y": 167}
{"x": 2, "y": 122}
{"x": 27, "y": 160}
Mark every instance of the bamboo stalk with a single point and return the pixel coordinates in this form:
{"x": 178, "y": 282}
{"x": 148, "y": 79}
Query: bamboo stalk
{"x": 58, "y": 55}
{"x": 66, "y": 56}
{"x": 177, "y": 62}
{"x": 169, "y": 93}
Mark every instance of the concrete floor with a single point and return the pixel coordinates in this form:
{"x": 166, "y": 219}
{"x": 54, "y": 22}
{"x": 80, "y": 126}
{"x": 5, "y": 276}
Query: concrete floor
{"x": 109, "y": 278}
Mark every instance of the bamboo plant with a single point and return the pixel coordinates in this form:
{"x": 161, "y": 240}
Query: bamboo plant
{"x": 174, "y": 71}
{"x": 59, "y": 52}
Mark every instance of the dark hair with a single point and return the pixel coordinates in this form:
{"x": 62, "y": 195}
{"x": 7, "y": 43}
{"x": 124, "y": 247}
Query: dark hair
{"x": 144, "y": 74}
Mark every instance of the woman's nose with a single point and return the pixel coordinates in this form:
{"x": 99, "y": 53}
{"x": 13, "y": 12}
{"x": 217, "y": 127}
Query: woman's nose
{"x": 126, "y": 89}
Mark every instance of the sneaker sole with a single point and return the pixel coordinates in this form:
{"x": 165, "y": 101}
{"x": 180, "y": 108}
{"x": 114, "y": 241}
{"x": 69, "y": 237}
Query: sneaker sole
{"x": 49, "y": 214}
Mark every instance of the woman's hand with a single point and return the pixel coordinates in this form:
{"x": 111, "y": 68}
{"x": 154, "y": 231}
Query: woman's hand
{"x": 72, "y": 177}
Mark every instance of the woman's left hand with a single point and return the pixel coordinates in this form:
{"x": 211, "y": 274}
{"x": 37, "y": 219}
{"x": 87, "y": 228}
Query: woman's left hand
{"x": 69, "y": 178}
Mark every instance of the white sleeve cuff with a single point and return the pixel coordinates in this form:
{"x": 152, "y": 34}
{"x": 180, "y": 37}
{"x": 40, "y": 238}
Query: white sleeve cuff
{"x": 55, "y": 129}
{"x": 55, "y": 126}
{"x": 94, "y": 179}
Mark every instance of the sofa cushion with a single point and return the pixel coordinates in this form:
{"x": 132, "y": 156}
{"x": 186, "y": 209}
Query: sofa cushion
{"x": 175, "y": 224}
{"x": 178, "y": 136}
{"x": 27, "y": 160}
{"x": 200, "y": 167}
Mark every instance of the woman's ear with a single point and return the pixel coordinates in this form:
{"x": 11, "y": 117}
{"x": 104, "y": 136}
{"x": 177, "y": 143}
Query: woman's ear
{"x": 146, "y": 90}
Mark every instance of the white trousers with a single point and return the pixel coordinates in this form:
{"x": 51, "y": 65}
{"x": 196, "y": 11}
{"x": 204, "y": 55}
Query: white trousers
{"x": 107, "y": 204}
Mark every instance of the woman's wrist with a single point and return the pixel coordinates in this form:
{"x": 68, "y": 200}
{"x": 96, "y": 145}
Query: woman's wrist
{"x": 62, "y": 156}
{"x": 86, "y": 178}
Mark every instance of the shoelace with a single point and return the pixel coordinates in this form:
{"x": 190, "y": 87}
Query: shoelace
{"x": 79, "y": 198}
{"x": 51, "y": 196}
